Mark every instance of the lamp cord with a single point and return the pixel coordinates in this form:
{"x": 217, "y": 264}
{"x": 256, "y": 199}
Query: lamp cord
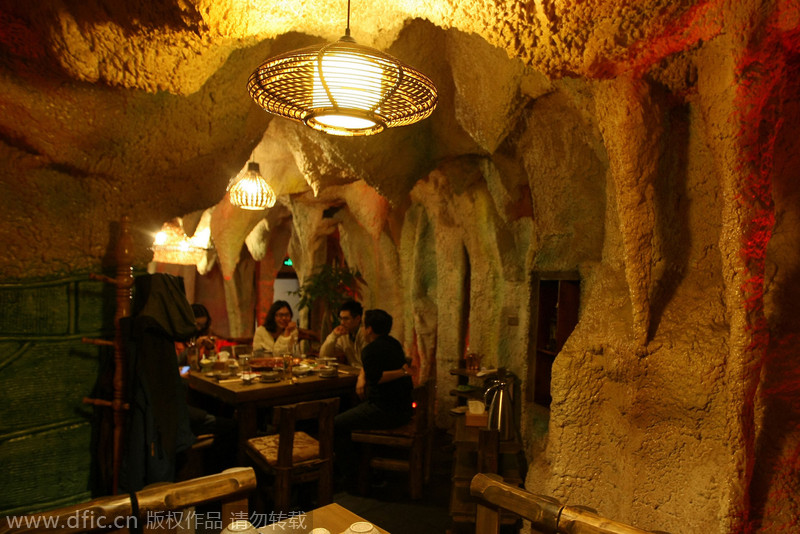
{"x": 347, "y": 30}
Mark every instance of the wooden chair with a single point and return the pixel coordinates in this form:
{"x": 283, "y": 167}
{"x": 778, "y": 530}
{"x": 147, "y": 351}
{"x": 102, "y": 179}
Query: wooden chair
{"x": 292, "y": 457}
{"x": 195, "y": 463}
{"x": 546, "y": 514}
{"x": 152, "y": 503}
{"x": 415, "y": 437}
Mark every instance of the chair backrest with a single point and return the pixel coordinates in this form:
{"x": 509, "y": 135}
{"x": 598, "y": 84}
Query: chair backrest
{"x": 285, "y": 418}
{"x": 229, "y": 487}
{"x": 546, "y": 514}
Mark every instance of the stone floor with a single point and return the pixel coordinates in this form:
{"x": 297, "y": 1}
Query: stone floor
{"x": 389, "y": 506}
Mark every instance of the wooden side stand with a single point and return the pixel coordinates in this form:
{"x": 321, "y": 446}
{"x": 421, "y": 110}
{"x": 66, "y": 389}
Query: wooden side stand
{"x": 478, "y": 450}
{"x": 124, "y": 285}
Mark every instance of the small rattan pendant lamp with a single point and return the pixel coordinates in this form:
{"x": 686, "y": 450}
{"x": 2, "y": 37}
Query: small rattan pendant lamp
{"x": 250, "y": 191}
{"x": 343, "y": 88}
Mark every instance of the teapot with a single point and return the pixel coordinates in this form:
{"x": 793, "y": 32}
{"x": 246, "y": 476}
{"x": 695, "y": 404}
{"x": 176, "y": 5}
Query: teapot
{"x": 497, "y": 398}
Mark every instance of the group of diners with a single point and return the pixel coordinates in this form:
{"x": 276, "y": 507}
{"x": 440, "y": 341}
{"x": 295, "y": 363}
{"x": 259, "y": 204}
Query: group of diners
{"x": 362, "y": 340}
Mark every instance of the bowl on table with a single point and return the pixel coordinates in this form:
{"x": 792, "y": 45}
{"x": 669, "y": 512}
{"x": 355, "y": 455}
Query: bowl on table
{"x": 327, "y": 371}
{"x": 240, "y": 526}
{"x": 270, "y": 376}
{"x": 301, "y": 370}
{"x": 249, "y": 378}
{"x": 361, "y": 527}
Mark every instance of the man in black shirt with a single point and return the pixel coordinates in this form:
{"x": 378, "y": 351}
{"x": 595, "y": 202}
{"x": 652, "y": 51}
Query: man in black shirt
{"x": 388, "y": 387}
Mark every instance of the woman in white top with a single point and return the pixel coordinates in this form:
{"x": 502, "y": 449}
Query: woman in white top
{"x": 279, "y": 333}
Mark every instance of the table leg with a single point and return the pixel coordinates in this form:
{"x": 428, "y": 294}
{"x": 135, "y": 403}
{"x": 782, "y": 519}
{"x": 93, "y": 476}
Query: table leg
{"x": 247, "y": 421}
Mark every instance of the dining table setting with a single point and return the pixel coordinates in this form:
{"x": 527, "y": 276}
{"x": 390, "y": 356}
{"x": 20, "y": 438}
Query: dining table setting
{"x": 256, "y": 383}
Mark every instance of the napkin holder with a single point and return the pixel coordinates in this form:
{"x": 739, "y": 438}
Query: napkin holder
{"x": 476, "y": 419}
{"x": 476, "y": 414}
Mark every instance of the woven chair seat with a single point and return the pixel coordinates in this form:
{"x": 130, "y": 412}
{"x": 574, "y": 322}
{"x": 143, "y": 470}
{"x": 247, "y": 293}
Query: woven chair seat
{"x": 291, "y": 457}
{"x": 305, "y": 448}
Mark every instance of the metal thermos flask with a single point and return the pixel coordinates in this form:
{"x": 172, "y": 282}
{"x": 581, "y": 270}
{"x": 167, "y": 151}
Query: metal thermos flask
{"x": 498, "y": 401}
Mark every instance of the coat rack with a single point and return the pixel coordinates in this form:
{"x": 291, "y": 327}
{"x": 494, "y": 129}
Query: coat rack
{"x": 124, "y": 285}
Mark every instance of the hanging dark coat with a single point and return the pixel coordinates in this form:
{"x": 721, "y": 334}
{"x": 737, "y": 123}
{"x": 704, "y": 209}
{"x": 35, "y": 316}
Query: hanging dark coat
{"x": 158, "y": 418}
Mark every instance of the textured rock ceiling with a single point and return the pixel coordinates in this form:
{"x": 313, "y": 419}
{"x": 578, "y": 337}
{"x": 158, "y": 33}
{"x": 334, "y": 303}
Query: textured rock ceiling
{"x": 115, "y": 107}
{"x": 178, "y": 46}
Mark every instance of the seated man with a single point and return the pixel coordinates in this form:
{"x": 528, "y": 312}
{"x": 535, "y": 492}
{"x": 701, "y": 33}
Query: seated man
{"x": 346, "y": 341}
{"x": 388, "y": 388}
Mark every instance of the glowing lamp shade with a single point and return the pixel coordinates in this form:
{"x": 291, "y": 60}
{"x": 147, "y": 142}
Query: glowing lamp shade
{"x": 343, "y": 88}
{"x": 172, "y": 245}
{"x": 250, "y": 191}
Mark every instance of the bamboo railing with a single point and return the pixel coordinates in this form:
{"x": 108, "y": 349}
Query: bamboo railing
{"x": 546, "y": 514}
{"x": 151, "y": 509}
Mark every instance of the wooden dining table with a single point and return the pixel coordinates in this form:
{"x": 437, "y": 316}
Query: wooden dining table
{"x": 333, "y": 517}
{"x": 246, "y": 399}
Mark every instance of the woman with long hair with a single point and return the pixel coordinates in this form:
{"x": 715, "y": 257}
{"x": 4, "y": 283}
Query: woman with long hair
{"x": 279, "y": 333}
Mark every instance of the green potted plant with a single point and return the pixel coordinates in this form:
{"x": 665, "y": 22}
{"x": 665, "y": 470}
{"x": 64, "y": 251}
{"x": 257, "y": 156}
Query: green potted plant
{"x": 327, "y": 288}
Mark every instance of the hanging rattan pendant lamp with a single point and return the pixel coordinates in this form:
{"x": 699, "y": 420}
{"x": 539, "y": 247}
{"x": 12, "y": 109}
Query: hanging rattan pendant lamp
{"x": 343, "y": 88}
{"x": 250, "y": 191}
